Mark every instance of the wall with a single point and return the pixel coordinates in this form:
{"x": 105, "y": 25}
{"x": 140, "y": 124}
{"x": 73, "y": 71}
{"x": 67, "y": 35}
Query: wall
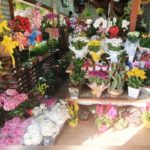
{"x": 56, "y": 4}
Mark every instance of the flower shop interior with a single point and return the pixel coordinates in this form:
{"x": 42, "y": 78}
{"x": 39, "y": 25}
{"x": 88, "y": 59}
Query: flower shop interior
{"x": 74, "y": 72}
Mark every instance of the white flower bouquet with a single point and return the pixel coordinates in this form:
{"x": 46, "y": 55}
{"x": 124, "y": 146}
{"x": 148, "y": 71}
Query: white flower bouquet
{"x": 79, "y": 46}
{"x": 133, "y": 36}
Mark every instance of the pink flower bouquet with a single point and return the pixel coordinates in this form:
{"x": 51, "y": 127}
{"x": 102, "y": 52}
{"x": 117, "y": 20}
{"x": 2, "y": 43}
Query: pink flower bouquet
{"x": 106, "y": 115}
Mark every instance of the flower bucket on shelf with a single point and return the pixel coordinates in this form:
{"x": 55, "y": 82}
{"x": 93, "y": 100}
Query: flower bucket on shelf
{"x": 73, "y": 122}
{"x": 132, "y": 92}
{"x": 74, "y": 92}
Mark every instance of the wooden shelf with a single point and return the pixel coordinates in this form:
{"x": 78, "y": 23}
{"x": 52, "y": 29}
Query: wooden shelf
{"x": 86, "y": 98}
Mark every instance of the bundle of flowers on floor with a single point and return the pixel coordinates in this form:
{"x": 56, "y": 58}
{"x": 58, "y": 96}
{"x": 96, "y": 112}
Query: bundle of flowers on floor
{"x": 42, "y": 128}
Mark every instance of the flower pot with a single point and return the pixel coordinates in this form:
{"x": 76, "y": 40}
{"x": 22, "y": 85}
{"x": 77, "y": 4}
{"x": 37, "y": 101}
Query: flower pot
{"x": 132, "y": 92}
{"x": 115, "y": 92}
{"x": 74, "y": 92}
{"x": 73, "y": 122}
{"x": 146, "y": 124}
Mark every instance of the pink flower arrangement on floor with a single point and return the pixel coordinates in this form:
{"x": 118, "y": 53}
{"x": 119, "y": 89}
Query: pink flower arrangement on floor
{"x": 13, "y": 131}
{"x": 11, "y": 99}
{"x": 106, "y": 115}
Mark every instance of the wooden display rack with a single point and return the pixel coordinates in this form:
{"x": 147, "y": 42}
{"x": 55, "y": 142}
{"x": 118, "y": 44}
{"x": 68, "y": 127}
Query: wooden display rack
{"x": 86, "y": 97}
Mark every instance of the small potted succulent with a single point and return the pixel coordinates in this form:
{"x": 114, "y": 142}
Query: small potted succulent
{"x": 73, "y": 110}
{"x": 135, "y": 81}
{"x": 76, "y": 78}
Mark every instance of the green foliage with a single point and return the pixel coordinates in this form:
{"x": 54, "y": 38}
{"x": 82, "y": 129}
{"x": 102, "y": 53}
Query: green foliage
{"x": 104, "y": 120}
{"x": 52, "y": 43}
{"x": 79, "y": 44}
{"x": 132, "y": 39}
{"x": 146, "y": 116}
{"x": 94, "y": 48}
{"x": 147, "y": 80}
{"x": 135, "y": 82}
{"x": 21, "y": 110}
{"x": 113, "y": 48}
{"x": 41, "y": 86}
{"x": 39, "y": 50}
{"x": 117, "y": 76}
{"x": 145, "y": 42}
{"x": 98, "y": 81}
{"x": 77, "y": 63}
{"x": 51, "y": 78}
{"x": 87, "y": 12}
{"x": 77, "y": 78}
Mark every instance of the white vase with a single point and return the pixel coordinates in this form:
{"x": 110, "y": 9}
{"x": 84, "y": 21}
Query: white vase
{"x": 132, "y": 92}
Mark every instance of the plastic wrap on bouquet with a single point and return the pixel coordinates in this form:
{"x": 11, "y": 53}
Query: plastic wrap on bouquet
{"x": 97, "y": 89}
{"x": 113, "y": 56}
{"x": 79, "y": 53}
{"x": 131, "y": 49}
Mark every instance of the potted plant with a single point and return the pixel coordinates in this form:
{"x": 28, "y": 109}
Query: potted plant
{"x": 106, "y": 115}
{"x": 146, "y": 88}
{"x": 76, "y": 78}
{"x": 144, "y": 43}
{"x": 135, "y": 81}
{"x": 146, "y": 116}
{"x": 73, "y": 110}
{"x": 117, "y": 78}
{"x": 40, "y": 88}
{"x": 98, "y": 82}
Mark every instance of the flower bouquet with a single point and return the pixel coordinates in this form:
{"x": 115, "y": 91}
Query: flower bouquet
{"x": 79, "y": 47}
{"x": 73, "y": 110}
{"x": 114, "y": 48}
{"x": 95, "y": 51}
{"x": 98, "y": 82}
{"x": 135, "y": 81}
{"x": 106, "y": 115}
{"x": 133, "y": 36}
{"x": 20, "y": 24}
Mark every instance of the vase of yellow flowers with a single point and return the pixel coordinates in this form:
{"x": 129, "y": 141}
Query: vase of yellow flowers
{"x": 135, "y": 81}
{"x": 73, "y": 110}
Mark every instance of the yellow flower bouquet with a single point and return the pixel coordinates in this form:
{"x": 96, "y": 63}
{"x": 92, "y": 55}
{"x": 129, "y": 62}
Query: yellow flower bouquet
{"x": 94, "y": 45}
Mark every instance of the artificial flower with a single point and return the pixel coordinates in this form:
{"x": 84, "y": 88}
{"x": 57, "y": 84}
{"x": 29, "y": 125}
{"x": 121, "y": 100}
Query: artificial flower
{"x": 4, "y": 26}
{"x": 9, "y": 47}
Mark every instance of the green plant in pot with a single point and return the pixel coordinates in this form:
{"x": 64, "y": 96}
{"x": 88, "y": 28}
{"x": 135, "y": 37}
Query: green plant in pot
{"x": 135, "y": 81}
{"x": 145, "y": 42}
{"x": 76, "y": 78}
{"x": 117, "y": 78}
